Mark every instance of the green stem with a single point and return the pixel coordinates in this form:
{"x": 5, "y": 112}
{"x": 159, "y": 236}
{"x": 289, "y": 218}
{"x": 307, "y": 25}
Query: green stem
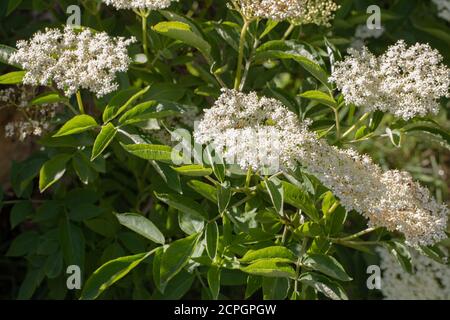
{"x": 244, "y": 30}
{"x": 353, "y": 127}
{"x": 338, "y": 125}
{"x": 80, "y": 102}
{"x": 144, "y": 16}
{"x": 284, "y": 237}
{"x": 248, "y": 178}
{"x": 241, "y": 202}
{"x": 359, "y": 234}
{"x": 288, "y": 31}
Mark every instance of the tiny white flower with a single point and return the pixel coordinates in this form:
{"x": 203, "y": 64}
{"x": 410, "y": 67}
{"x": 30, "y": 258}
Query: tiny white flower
{"x": 406, "y": 82}
{"x": 139, "y": 4}
{"x": 73, "y": 60}
{"x": 319, "y": 12}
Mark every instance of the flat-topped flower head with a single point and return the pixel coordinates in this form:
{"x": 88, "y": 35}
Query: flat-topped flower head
{"x": 250, "y": 131}
{"x": 73, "y": 60}
{"x": 29, "y": 120}
{"x": 319, "y": 12}
{"x": 139, "y": 4}
{"x": 406, "y": 82}
{"x": 429, "y": 280}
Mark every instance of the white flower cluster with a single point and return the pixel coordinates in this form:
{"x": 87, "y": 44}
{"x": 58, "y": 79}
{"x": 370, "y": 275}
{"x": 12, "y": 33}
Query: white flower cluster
{"x": 250, "y": 131}
{"x": 73, "y": 59}
{"x": 139, "y": 4}
{"x": 390, "y": 199}
{"x": 443, "y": 7}
{"x": 260, "y": 132}
{"x": 34, "y": 120}
{"x": 429, "y": 281}
{"x": 319, "y": 12}
{"x": 407, "y": 82}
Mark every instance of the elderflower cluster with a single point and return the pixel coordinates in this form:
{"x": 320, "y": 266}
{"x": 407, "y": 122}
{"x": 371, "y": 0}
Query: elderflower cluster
{"x": 33, "y": 120}
{"x": 390, "y": 199}
{"x": 406, "y": 82}
{"x": 319, "y": 12}
{"x": 73, "y": 60}
{"x": 258, "y": 133}
{"x": 139, "y": 4}
{"x": 430, "y": 280}
{"x": 443, "y": 7}
{"x": 252, "y": 132}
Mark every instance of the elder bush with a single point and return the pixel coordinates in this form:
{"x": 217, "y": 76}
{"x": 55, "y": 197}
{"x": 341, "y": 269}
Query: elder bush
{"x": 227, "y": 149}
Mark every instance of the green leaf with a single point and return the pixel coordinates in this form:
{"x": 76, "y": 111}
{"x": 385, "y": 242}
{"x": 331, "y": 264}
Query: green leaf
{"x": 223, "y": 197}
{"x": 153, "y": 152}
{"x": 84, "y": 211}
{"x": 170, "y": 177}
{"x": 183, "y": 204}
{"x": 83, "y": 168}
{"x": 24, "y": 243}
{"x": 216, "y": 163}
{"x": 321, "y": 283}
{"x": 195, "y": 170}
{"x": 5, "y": 53}
{"x": 103, "y": 140}
{"x": 141, "y": 225}
{"x": 270, "y": 268}
{"x": 321, "y": 97}
{"x": 206, "y": 190}
{"x": 214, "y": 281}
{"x": 12, "y": 5}
{"x": 190, "y": 224}
{"x": 47, "y": 97}
{"x": 109, "y": 273}
{"x": 279, "y": 49}
{"x": 182, "y": 31}
{"x": 281, "y": 254}
{"x": 327, "y": 265}
{"x": 157, "y": 266}
{"x": 52, "y": 171}
{"x": 121, "y": 101}
{"x": 20, "y": 212}
{"x": 212, "y": 239}
{"x": 309, "y": 229}
{"x": 298, "y": 198}
{"x": 32, "y": 281}
{"x": 76, "y": 125}
{"x": 177, "y": 287}
{"x": 150, "y": 110}
{"x": 175, "y": 257}
{"x": 401, "y": 253}
{"x": 14, "y": 77}
{"x": 253, "y": 284}
{"x": 335, "y": 221}
{"x": 72, "y": 243}
{"x": 276, "y": 193}
{"x": 275, "y": 288}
